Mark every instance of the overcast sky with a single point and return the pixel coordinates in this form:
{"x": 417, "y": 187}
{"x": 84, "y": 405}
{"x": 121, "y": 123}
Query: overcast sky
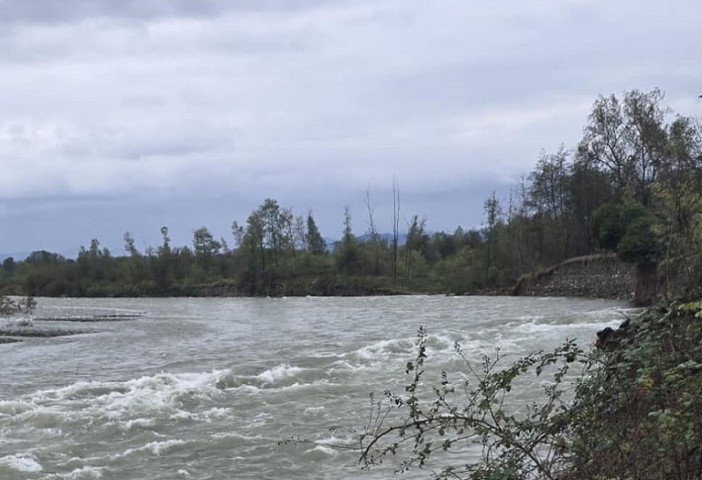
{"x": 127, "y": 115}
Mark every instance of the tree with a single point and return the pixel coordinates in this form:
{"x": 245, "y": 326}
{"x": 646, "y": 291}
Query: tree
{"x": 266, "y": 246}
{"x": 278, "y": 231}
{"x": 548, "y": 197}
{"x": 253, "y": 241}
{"x": 129, "y": 246}
{"x": 589, "y": 189}
{"x": 682, "y": 176}
{"x": 375, "y": 240}
{"x": 204, "y": 244}
{"x": 395, "y": 226}
{"x": 629, "y": 229}
{"x": 205, "y": 248}
{"x": 164, "y": 251}
{"x": 416, "y": 238}
{"x": 238, "y": 231}
{"x": 493, "y": 217}
{"x": 163, "y": 265}
{"x": 95, "y": 266}
{"x": 627, "y": 139}
{"x": 300, "y": 234}
{"x": 548, "y": 185}
{"x": 348, "y": 260}
{"x": 315, "y": 242}
{"x": 611, "y": 221}
{"x": 640, "y": 245}
{"x": 9, "y": 266}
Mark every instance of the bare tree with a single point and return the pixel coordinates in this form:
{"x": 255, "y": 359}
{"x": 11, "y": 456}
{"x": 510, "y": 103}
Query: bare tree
{"x": 374, "y": 236}
{"x": 395, "y": 225}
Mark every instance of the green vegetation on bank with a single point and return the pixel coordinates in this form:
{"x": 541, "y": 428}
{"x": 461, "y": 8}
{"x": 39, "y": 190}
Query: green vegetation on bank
{"x": 633, "y": 186}
{"x": 10, "y": 306}
{"x": 628, "y": 409}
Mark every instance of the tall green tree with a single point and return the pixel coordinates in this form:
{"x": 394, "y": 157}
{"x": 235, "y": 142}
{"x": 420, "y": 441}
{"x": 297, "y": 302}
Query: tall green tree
{"x": 493, "y": 218}
{"x": 627, "y": 139}
{"x": 315, "y": 242}
{"x": 206, "y": 248}
{"x": 348, "y": 259}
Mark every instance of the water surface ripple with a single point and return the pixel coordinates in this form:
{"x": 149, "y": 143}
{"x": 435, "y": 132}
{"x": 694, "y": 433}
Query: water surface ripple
{"x": 206, "y": 388}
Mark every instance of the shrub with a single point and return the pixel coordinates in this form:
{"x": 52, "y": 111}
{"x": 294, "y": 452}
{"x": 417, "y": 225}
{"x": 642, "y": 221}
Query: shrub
{"x": 627, "y": 409}
{"x": 9, "y": 306}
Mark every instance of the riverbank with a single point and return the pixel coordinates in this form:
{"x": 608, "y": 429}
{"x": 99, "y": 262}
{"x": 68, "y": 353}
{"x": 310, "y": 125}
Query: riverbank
{"x": 593, "y": 276}
{"x": 601, "y": 276}
{"x": 13, "y": 331}
{"x": 639, "y": 412}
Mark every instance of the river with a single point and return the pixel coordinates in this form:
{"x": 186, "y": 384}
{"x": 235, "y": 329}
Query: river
{"x": 207, "y": 388}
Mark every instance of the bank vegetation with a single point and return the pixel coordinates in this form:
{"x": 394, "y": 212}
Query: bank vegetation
{"x": 632, "y": 187}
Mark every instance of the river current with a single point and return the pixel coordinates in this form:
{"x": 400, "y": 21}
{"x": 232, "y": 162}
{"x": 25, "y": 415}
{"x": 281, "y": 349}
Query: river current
{"x": 207, "y": 388}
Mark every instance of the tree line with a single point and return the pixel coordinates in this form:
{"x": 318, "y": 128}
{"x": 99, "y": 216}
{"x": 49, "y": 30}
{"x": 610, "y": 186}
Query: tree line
{"x": 633, "y": 185}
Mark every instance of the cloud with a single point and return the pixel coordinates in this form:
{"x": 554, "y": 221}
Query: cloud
{"x": 51, "y": 12}
{"x": 155, "y": 100}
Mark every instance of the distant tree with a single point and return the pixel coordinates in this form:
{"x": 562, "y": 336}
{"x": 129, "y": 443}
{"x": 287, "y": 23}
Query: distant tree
{"x": 163, "y": 266}
{"x": 94, "y": 251}
{"x": 164, "y": 251}
{"x": 238, "y": 232}
{"x": 300, "y": 233}
{"x": 493, "y": 217}
{"x": 348, "y": 237}
{"x": 548, "y": 198}
{"x": 205, "y": 248}
{"x": 348, "y": 258}
{"x": 225, "y": 246}
{"x": 253, "y": 241}
{"x": 375, "y": 240}
{"x": 277, "y": 225}
{"x": 395, "y": 226}
{"x": 548, "y": 191}
{"x": 9, "y": 266}
{"x": 589, "y": 189}
{"x": 129, "y": 245}
{"x": 43, "y": 257}
{"x": 315, "y": 242}
{"x": 416, "y": 240}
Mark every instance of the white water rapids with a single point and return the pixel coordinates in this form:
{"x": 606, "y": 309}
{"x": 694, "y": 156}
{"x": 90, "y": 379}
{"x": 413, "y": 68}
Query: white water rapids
{"x": 206, "y": 388}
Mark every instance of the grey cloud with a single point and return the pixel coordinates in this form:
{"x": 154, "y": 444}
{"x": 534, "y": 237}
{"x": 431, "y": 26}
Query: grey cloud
{"x": 157, "y": 105}
{"x": 50, "y": 11}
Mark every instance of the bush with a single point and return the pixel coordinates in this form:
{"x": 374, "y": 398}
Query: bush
{"x": 9, "y": 306}
{"x": 638, "y": 413}
{"x": 611, "y": 221}
{"x": 628, "y": 409}
{"x": 640, "y": 245}
{"x": 459, "y": 415}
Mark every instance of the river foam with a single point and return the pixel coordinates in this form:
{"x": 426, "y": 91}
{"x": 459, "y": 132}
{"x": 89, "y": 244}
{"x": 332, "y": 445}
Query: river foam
{"x": 208, "y": 388}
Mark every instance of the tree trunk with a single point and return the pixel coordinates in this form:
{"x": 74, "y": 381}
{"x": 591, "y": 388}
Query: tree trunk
{"x": 646, "y": 284}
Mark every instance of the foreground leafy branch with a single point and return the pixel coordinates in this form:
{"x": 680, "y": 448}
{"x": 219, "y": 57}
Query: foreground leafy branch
{"x": 478, "y": 415}
{"x": 628, "y": 409}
